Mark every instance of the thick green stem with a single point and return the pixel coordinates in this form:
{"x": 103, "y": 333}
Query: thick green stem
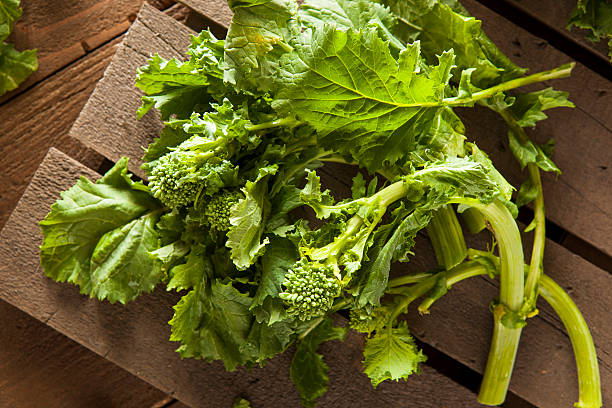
{"x": 425, "y": 282}
{"x": 474, "y": 220}
{"x": 582, "y": 343}
{"x": 504, "y": 344}
{"x": 446, "y": 237}
{"x": 585, "y": 354}
{"x": 536, "y": 268}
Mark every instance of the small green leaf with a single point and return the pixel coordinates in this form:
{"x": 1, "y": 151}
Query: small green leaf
{"x": 596, "y": 16}
{"x": 527, "y": 193}
{"x": 267, "y": 340}
{"x": 213, "y": 322}
{"x": 279, "y": 257}
{"x": 248, "y": 221}
{"x": 193, "y": 273}
{"x": 99, "y": 236}
{"x": 391, "y": 355}
{"x": 308, "y": 370}
{"x": 524, "y": 151}
{"x": 15, "y": 66}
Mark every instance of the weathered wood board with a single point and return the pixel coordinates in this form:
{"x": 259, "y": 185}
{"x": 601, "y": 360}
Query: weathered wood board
{"x": 111, "y": 110}
{"x": 59, "y": 38}
{"x": 42, "y": 117}
{"x": 62, "y": 372}
{"x": 135, "y": 336}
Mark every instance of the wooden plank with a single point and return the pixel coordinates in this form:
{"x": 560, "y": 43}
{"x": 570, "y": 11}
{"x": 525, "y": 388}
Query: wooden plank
{"x": 63, "y": 374}
{"x": 213, "y": 10}
{"x": 135, "y": 336}
{"x": 556, "y": 13}
{"x": 62, "y": 34}
{"x": 110, "y": 113}
{"x": 40, "y": 118}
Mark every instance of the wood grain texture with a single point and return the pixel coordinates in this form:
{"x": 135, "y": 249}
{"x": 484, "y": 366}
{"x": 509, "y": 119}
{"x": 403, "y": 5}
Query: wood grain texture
{"x": 556, "y": 13}
{"x": 65, "y": 30}
{"x": 40, "y": 118}
{"x": 214, "y": 10}
{"x": 108, "y": 120}
{"x": 61, "y": 372}
{"x": 135, "y": 336}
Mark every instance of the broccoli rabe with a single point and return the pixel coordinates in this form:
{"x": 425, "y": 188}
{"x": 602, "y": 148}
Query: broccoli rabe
{"x": 196, "y": 166}
{"x": 310, "y": 289}
{"x": 217, "y": 210}
{"x": 170, "y": 182}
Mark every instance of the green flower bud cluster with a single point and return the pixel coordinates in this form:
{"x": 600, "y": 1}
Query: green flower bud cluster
{"x": 168, "y": 182}
{"x": 218, "y": 209}
{"x": 364, "y": 322}
{"x": 310, "y": 289}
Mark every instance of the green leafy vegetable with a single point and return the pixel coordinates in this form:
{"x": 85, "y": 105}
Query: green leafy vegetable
{"x": 99, "y": 234}
{"x": 235, "y": 217}
{"x": 308, "y": 370}
{"x": 391, "y": 355}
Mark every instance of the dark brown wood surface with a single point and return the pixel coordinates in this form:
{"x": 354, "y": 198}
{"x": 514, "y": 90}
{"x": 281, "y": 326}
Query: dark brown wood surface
{"x": 114, "y": 119}
{"x": 39, "y": 367}
{"x": 59, "y": 34}
{"x": 135, "y": 336}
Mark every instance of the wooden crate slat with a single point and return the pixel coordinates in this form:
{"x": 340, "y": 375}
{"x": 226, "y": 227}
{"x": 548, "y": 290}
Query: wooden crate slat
{"x": 135, "y": 336}
{"x": 556, "y": 13}
{"x": 40, "y": 118}
{"x": 60, "y": 36}
{"x": 108, "y": 120}
{"x": 61, "y": 371}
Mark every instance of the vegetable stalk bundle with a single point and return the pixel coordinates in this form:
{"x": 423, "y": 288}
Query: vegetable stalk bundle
{"x": 248, "y": 121}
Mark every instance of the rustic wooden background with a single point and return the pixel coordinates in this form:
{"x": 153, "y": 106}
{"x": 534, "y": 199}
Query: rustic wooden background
{"x": 76, "y": 41}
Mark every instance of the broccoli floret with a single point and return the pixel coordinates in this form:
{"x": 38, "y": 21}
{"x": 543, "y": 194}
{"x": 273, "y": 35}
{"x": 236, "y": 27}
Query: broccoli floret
{"x": 310, "y": 289}
{"x": 217, "y": 210}
{"x": 170, "y": 182}
{"x": 367, "y": 321}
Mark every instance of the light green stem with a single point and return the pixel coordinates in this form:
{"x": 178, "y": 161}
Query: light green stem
{"x": 582, "y": 343}
{"x": 504, "y": 344}
{"x": 447, "y": 237}
{"x": 560, "y": 72}
{"x": 536, "y": 268}
{"x": 284, "y": 122}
